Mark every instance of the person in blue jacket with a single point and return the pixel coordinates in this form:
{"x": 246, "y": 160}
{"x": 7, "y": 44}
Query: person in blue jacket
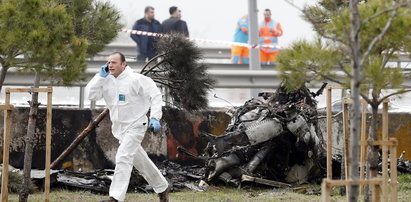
{"x": 239, "y": 54}
{"x": 145, "y": 44}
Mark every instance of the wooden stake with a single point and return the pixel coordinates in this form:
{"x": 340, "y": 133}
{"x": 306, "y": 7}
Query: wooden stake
{"x": 346, "y": 133}
{"x": 376, "y": 192}
{"x": 332, "y": 183}
{"x": 6, "y": 154}
{"x": 385, "y": 152}
{"x": 393, "y": 169}
{"x": 363, "y": 148}
{"x": 6, "y": 139}
{"x": 325, "y": 191}
{"x": 29, "y": 90}
{"x": 385, "y": 143}
{"x": 48, "y": 146}
{"x": 329, "y": 134}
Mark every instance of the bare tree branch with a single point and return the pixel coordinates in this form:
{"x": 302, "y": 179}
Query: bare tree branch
{"x": 392, "y": 94}
{"x": 293, "y": 5}
{"x": 333, "y": 38}
{"x": 385, "y": 11}
{"x": 378, "y": 37}
{"x": 386, "y": 58}
{"x": 327, "y": 77}
{"x": 341, "y": 66}
{"x": 365, "y": 97}
{"x": 167, "y": 79}
{"x": 163, "y": 83}
{"x": 16, "y": 53}
{"x": 154, "y": 66}
{"x": 150, "y": 61}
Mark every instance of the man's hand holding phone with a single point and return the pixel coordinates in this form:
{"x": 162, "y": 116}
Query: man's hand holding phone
{"x": 104, "y": 71}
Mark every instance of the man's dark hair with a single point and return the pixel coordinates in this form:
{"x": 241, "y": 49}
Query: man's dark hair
{"x": 123, "y": 59}
{"x": 268, "y": 10}
{"x": 148, "y": 8}
{"x": 172, "y": 9}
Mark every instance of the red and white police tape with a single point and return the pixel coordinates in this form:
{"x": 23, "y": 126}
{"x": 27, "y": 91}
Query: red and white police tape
{"x": 228, "y": 43}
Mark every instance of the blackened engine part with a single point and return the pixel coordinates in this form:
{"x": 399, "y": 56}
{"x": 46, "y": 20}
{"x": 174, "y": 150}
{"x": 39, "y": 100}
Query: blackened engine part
{"x": 186, "y": 152}
{"x": 228, "y": 141}
{"x": 403, "y": 169}
{"x": 228, "y": 179}
{"x": 250, "y": 116}
{"x": 217, "y": 166}
{"x": 298, "y": 126}
{"x": 264, "y": 181}
{"x": 235, "y": 172}
{"x": 252, "y": 165}
{"x": 299, "y": 173}
{"x": 225, "y": 177}
{"x": 264, "y": 130}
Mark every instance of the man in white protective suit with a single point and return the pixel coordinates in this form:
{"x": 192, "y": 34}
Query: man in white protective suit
{"x": 129, "y": 96}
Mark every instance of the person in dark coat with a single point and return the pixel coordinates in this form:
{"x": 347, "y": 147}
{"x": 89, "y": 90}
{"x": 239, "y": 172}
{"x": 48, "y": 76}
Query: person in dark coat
{"x": 174, "y": 24}
{"x": 145, "y": 44}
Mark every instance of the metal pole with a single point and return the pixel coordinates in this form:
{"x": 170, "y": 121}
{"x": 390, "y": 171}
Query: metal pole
{"x": 92, "y": 104}
{"x": 81, "y": 99}
{"x": 253, "y": 40}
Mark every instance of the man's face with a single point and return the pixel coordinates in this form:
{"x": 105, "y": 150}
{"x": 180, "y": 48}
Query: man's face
{"x": 115, "y": 65}
{"x": 150, "y": 14}
{"x": 179, "y": 14}
{"x": 267, "y": 15}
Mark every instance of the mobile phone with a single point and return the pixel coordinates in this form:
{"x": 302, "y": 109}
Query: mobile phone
{"x": 106, "y": 69}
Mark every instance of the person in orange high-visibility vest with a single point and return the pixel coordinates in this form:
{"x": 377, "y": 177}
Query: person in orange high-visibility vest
{"x": 270, "y": 30}
{"x": 239, "y": 54}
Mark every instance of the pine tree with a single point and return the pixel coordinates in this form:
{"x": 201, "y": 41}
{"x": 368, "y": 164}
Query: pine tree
{"x": 51, "y": 38}
{"x": 356, "y": 40}
{"x": 96, "y": 21}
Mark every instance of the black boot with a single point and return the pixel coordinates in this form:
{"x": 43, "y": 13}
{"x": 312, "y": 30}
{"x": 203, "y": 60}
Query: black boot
{"x": 164, "y": 195}
{"x": 111, "y": 199}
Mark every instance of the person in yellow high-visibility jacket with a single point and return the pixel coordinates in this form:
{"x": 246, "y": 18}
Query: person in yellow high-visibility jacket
{"x": 270, "y": 30}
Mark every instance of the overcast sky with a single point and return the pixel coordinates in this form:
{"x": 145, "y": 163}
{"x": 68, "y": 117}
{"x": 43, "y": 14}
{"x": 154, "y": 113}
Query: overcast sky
{"x": 216, "y": 19}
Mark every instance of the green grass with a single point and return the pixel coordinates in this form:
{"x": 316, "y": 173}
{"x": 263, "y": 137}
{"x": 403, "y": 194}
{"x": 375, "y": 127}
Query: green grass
{"x": 218, "y": 194}
{"x": 404, "y": 183}
{"x": 404, "y": 178}
{"x": 213, "y": 194}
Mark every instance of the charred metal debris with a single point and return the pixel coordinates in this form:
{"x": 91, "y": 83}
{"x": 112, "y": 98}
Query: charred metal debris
{"x": 274, "y": 141}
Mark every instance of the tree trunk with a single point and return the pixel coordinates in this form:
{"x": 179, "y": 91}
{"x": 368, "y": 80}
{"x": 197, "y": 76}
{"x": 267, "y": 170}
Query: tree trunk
{"x": 372, "y": 152}
{"x": 3, "y": 72}
{"x": 353, "y": 158}
{"x": 28, "y": 152}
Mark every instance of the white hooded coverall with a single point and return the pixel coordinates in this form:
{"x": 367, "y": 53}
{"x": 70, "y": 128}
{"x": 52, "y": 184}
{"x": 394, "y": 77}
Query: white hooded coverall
{"x": 129, "y": 97}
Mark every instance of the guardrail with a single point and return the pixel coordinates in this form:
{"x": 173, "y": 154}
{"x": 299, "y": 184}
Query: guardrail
{"x": 129, "y": 50}
{"x": 225, "y": 78}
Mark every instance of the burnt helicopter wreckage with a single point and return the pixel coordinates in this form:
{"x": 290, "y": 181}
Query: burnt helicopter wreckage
{"x": 274, "y": 141}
